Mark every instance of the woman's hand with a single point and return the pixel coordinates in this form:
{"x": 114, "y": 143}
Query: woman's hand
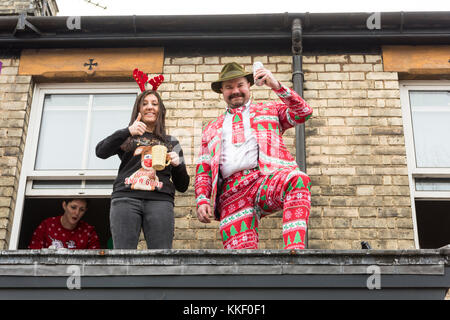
{"x": 137, "y": 128}
{"x": 174, "y": 159}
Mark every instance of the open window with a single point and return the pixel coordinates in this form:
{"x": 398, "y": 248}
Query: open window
{"x": 426, "y": 114}
{"x": 37, "y": 209}
{"x": 66, "y": 123}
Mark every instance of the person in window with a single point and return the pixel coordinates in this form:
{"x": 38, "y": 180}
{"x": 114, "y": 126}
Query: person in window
{"x": 66, "y": 231}
{"x": 143, "y": 197}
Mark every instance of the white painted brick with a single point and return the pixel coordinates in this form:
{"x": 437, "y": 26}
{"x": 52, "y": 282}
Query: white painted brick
{"x": 262, "y": 59}
{"x": 212, "y": 60}
{"x": 188, "y": 77}
{"x": 373, "y": 59}
{"x": 333, "y": 76}
{"x": 382, "y": 76}
{"x": 280, "y": 59}
{"x": 356, "y": 58}
{"x": 357, "y": 76}
{"x": 357, "y": 67}
{"x": 190, "y": 60}
{"x": 313, "y": 67}
{"x": 332, "y": 67}
{"x": 239, "y": 60}
{"x": 332, "y": 59}
{"x": 308, "y": 59}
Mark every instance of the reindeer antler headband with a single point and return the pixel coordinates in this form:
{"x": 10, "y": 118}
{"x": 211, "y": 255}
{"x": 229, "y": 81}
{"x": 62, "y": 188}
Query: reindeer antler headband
{"x": 142, "y": 79}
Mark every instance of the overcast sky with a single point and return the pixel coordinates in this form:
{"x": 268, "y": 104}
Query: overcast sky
{"x": 182, "y": 7}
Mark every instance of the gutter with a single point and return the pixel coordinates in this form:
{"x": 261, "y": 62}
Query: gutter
{"x": 320, "y": 29}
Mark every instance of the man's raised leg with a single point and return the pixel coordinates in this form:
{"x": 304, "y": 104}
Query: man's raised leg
{"x": 290, "y": 191}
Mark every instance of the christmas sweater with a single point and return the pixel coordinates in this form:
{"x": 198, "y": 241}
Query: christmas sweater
{"x": 136, "y": 178}
{"x": 268, "y": 122}
{"x": 51, "y": 233}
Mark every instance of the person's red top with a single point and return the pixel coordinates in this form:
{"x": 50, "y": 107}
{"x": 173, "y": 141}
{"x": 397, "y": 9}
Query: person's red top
{"x": 51, "y": 233}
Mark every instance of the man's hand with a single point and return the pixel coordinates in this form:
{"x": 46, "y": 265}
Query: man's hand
{"x": 204, "y": 213}
{"x": 137, "y": 128}
{"x": 268, "y": 79}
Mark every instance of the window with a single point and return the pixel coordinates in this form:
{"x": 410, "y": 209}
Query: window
{"x": 426, "y": 115}
{"x": 66, "y": 123}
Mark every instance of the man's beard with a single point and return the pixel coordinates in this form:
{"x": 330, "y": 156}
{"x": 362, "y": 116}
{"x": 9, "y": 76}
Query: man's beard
{"x": 237, "y": 104}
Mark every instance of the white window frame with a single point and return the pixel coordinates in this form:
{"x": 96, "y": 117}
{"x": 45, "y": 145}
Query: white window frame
{"x": 28, "y": 173}
{"x": 413, "y": 171}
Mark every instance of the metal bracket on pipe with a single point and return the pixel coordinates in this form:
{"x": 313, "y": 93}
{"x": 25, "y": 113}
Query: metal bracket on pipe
{"x": 297, "y": 37}
{"x": 297, "y": 72}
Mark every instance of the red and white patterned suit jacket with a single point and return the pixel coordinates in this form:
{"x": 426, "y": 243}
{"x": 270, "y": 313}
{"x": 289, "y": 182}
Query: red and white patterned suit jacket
{"x": 268, "y": 122}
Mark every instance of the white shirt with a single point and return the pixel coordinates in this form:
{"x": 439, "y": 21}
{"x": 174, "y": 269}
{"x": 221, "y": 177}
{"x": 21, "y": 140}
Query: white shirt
{"x": 232, "y": 158}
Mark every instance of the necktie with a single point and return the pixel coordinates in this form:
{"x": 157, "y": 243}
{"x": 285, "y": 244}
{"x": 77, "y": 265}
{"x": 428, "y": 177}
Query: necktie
{"x": 238, "y": 136}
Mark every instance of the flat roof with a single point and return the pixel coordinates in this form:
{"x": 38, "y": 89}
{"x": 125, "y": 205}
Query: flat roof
{"x": 225, "y": 274}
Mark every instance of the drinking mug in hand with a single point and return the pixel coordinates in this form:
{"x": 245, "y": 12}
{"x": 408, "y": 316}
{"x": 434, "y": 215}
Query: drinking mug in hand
{"x": 160, "y": 158}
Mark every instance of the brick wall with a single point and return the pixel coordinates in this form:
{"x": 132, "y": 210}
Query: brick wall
{"x": 191, "y": 103}
{"x": 31, "y": 7}
{"x": 356, "y": 154}
{"x": 355, "y": 148}
{"x": 15, "y": 101}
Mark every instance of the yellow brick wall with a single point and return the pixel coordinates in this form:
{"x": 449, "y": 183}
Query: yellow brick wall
{"x": 191, "y": 103}
{"x": 356, "y": 154}
{"x": 30, "y": 7}
{"x": 355, "y": 147}
{"x": 15, "y": 101}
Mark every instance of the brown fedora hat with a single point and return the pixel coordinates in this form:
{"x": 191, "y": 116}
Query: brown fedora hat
{"x": 231, "y": 71}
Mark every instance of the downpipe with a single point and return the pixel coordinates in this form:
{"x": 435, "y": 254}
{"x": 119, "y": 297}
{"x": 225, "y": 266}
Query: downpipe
{"x": 297, "y": 80}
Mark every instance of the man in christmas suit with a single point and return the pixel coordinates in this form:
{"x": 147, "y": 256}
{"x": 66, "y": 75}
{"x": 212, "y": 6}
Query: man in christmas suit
{"x": 244, "y": 170}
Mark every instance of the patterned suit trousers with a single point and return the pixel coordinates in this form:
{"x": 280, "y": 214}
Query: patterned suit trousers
{"x": 248, "y": 195}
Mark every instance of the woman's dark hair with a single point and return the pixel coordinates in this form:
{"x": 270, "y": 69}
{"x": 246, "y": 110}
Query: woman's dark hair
{"x": 160, "y": 125}
{"x": 81, "y": 199}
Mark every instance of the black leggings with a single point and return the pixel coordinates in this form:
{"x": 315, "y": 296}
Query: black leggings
{"x": 129, "y": 215}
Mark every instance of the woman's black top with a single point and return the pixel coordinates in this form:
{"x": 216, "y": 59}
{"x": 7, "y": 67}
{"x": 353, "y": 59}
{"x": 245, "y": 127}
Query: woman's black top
{"x": 133, "y": 178}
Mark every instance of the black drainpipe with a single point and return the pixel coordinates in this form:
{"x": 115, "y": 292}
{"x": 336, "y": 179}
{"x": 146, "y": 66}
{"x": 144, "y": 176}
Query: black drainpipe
{"x": 297, "y": 80}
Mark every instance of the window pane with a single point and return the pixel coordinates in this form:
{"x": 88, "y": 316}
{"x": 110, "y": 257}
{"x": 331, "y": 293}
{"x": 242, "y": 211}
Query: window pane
{"x": 73, "y": 184}
{"x": 432, "y": 184}
{"x": 429, "y": 98}
{"x": 64, "y": 126}
{"x": 430, "y": 118}
{"x": 110, "y": 112}
{"x": 115, "y": 100}
{"x": 56, "y": 184}
{"x": 62, "y": 132}
{"x": 66, "y": 100}
{"x": 99, "y": 184}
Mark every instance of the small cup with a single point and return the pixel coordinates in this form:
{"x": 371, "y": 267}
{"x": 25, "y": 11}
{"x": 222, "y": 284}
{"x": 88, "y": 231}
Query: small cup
{"x": 160, "y": 158}
{"x": 257, "y": 65}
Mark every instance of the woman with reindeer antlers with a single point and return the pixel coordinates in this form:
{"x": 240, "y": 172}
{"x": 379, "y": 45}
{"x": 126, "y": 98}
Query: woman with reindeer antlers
{"x": 142, "y": 196}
